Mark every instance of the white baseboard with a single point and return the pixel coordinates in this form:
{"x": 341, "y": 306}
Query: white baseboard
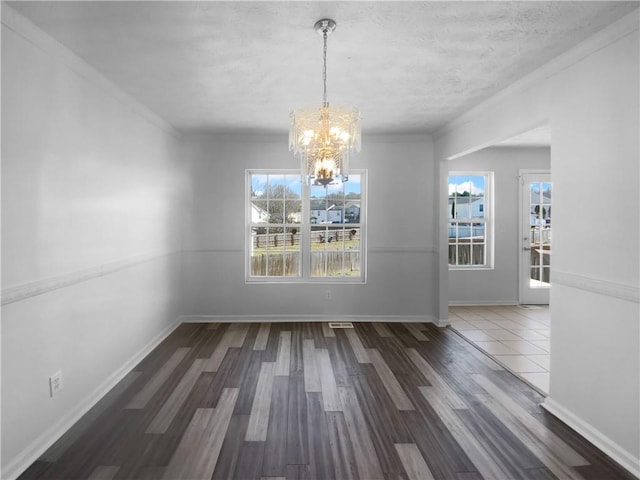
{"x": 309, "y": 318}
{"x": 442, "y": 322}
{"x": 16, "y": 466}
{"x": 484, "y": 303}
{"x": 593, "y": 435}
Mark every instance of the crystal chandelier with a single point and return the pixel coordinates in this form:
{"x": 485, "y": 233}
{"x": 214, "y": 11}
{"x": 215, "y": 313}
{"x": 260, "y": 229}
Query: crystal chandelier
{"x": 324, "y": 137}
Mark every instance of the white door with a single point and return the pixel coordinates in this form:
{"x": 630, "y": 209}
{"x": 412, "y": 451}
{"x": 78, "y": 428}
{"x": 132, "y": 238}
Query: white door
{"x": 535, "y": 244}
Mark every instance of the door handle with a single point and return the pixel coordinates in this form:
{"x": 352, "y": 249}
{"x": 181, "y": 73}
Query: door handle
{"x": 526, "y": 248}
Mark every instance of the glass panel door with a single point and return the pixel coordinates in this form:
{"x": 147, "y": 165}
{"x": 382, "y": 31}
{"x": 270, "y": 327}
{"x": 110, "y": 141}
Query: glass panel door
{"x": 536, "y": 229}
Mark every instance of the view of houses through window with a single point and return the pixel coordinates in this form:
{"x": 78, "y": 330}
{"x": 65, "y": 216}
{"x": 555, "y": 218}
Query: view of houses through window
{"x": 300, "y": 231}
{"x": 540, "y": 237}
{"x": 468, "y": 209}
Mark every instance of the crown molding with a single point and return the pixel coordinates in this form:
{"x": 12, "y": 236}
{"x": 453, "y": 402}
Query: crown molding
{"x": 397, "y": 137}
{"x": 605, "y": 37}
{"x": 37, "y": 37}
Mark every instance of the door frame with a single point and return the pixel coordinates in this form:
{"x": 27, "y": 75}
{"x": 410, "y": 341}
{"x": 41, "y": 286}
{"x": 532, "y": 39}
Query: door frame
{"x": 523, "y": 259}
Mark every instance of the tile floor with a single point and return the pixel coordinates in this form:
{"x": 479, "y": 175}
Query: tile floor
{"x": 516, "y": 336}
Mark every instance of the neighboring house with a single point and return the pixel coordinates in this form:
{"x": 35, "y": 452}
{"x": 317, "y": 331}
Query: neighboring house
{"x": 326, "y": 216}
{"x": 258, "y": 215}
{"x": 350, "y": 214}
{"x": 295, "y": 217}
{"x": 464, "y": 209}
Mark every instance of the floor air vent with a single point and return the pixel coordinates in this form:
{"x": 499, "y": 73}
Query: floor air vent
{"x": 340, "y": 325}
{"x": 528, "y": 307}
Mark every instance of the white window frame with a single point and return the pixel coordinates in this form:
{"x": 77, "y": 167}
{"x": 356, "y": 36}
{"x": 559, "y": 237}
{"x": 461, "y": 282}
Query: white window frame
{"x": 305, "y": 234}
{"x": 487, "y": 220}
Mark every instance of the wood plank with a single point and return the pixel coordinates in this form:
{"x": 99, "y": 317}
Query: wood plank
{"x": 342, "y": 454}
{"x": 357, "y": 346}
{"x": 296, "y": 362}
{"x": 297, "y": 438}
{"x": 248, "y": 382}
{"x": 446, "y": 459}
{"x": 237, "y": 334}
{"x": 246, "y": 361}
{"x": 394, "y": 389}
{"x": 320, "y": 459}
{"x": 343, "y": 360}
{"x": 364, "y": 451}
{"x": 250, "y": 462}
{"x": 156, "y": 382}
{"x": 470, "y": 420}
{"x": 453, "y": 399}
{"x": 413, "y": 462}
{"x": 311, "y": 371}
{"x": 259, "y": 418}
{"x": 169, "y": 410}
{"x": 151, "y": 473}
{"x": 220, "y": 379}
{"x": 414, "y": 329}
{"x": 233, "y": 337}
{"x": 484, "y": 461}
{"x": 263, "y": 337}
{"x": 382, "y": 330}
{"x": 547, "y": 456}
{"x": 284, "y": 354}
{"x": 327, "y": 331}
{"x": 275, "y": 449}
{"x": 231, "y": 447}
{"x": 198, "y": 450}
{"x": 104, "y": 473}
{"x": 330, "y": 397}
{"x": 384, "y": 421}
{"x": 560, "y": 448}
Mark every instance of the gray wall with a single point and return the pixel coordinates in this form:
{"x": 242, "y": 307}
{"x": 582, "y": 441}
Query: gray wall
{"x": 401, "y": 238}
{"x": 93, "y": 202}
{"x": 590, "y": 97}
{"x": 500, "y": 284}
{"x": 92, "y": 198}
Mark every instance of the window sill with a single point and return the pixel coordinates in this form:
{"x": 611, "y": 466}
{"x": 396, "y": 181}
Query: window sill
{"x": 469, "y": 268}
{"x": 304, "y": 281}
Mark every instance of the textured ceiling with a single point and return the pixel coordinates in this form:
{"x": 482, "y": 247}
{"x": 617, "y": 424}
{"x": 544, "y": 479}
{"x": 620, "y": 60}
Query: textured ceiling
{"x": 228, "y": 66}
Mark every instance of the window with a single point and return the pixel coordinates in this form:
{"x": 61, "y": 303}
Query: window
{"x": 299, "y": 232}
{"x": 470, "y": 231}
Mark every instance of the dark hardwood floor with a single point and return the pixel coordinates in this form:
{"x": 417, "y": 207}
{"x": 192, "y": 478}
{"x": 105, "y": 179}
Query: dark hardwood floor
{"x": 300, "y": 400}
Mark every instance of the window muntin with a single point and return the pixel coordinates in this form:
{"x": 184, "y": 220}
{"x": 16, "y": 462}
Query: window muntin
{"x": 469, "y": 221}
{"x": 540, "y": 234}
{"x": 282, "y": 246}
{"x": 335, "y": 229}
{"x": 276, "y": 212}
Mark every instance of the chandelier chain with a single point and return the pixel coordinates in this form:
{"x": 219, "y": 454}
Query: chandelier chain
{"x": 325, "y": 139}
{"x": 324, "y": 69}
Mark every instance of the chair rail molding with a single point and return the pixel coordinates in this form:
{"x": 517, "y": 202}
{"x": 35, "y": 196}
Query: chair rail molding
{"x": 621, "y": 291}
{"x": 39, "y": 287}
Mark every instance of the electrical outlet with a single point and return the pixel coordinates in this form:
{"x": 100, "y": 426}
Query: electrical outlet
{"x": 55, "y": 383}
{"x": 327, "y": 295}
